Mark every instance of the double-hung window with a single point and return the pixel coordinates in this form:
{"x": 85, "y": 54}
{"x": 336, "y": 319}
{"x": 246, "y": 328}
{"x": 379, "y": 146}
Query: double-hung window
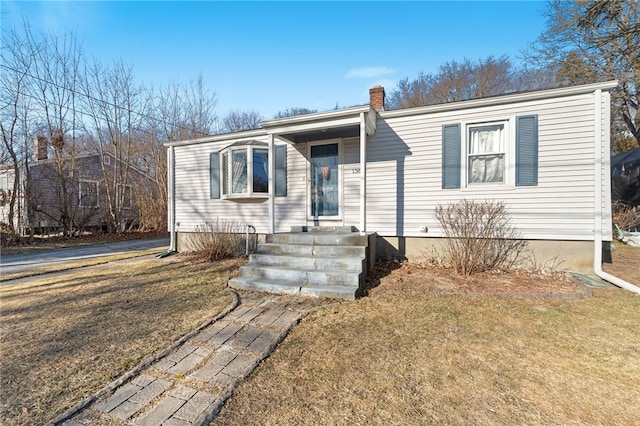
{"x": 486, "y": 154}
{"x": 242, "y": 171}
{"x": 490, "y": 153}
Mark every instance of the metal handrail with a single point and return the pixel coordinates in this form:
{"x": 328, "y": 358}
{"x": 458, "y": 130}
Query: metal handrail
{"x": 247, "y": 239}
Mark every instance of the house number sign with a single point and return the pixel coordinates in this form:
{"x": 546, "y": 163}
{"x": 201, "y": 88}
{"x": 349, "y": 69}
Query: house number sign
{"x": 355, "y": 171}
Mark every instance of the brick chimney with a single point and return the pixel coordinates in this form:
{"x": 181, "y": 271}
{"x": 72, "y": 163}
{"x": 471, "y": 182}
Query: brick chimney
{"x": 376, "y": 97}
{"x": 40, "y": 148}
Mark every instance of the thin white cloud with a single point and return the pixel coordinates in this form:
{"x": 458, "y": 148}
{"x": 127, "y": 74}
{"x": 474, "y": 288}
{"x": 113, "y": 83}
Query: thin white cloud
{"x": 388, "y": 84}
{"x": 369, "y": 72}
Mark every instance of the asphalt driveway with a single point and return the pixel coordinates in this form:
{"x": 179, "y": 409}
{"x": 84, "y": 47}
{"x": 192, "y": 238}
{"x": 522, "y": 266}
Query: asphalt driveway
{"x": 22, "y": 262}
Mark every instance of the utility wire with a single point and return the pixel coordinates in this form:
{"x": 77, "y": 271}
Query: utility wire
{"x": 93, "y": 98}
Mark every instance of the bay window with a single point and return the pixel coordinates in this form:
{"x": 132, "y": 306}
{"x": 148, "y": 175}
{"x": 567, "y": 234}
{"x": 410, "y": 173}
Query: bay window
{"x": 241, "y": 170}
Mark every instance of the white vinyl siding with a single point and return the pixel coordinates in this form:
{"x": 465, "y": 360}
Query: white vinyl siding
{"x": 291, "y": 210}
{"x": 351, "y": 180}
{"x": 404, "y": 171}
{"x": 404, "y": 175}
{"x": 194, "y": 206}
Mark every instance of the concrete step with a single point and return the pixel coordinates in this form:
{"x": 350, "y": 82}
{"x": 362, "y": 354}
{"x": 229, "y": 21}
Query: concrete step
{"x": 308, "y": 276}
{"x": 294, "y": 288}
{"x": 319, "y": 238}
{"x": 353, "y": 264}
{"x": 311, "y": 250}
{"x": 326, "y": 229}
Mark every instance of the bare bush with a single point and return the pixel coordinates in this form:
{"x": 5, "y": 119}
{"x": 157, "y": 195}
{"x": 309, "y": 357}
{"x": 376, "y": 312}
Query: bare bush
{"x": 480, "y": 236}
{"x": 626, "y": 217}
{"x": 217, "y": 240}
{"x": 153, "y": 208}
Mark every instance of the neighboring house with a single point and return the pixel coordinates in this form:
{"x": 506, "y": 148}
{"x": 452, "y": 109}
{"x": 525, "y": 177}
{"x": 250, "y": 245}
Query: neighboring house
{"x": 625, "y": 176}
{"x": 545, "y": 154}
{"x": 69, "y": 191}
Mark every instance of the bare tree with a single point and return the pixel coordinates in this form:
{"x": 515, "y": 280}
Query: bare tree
{"x": 237, "y": 121}
{"x": 113, "y": 102}
{"x": 600, "y": 40}
{"x": 14, "y": 121}
{"x": 44, "y": 71}
{"x": 292, "y": 112}
{"x": 458, "y": 81}
{"x": 175, "y": 112}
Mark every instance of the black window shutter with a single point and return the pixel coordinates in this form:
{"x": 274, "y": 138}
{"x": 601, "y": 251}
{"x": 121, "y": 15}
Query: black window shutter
{"x": 451, "y": 152}
{"x": 280, "y": 180}
{"x": 214, "y": 174}
{"x": 527, "y": 150}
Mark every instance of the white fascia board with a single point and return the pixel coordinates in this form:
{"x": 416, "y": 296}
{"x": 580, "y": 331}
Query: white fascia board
{"x": 312, "y": 118}
{"x": 305, "y": 127}
{"x": 216, "y": 138}
{"x": 503, "y": 99}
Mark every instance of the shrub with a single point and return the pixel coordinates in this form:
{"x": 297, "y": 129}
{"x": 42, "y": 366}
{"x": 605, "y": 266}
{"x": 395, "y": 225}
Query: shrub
{"x": 217, "y": 240}
{"x": 626, "y": 217}
{"x": 480, "y": 236}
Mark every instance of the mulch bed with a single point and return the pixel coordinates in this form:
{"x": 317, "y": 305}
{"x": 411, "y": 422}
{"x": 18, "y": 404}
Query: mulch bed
{"x": 394, "y": 277}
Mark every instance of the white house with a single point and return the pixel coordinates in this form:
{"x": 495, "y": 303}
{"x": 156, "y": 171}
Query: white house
{"x": 545, "y": 154}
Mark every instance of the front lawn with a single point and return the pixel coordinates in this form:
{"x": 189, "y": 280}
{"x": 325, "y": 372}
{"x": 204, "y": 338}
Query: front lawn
{"x": 65, "y": 337}
{"x": 411, "y": 354}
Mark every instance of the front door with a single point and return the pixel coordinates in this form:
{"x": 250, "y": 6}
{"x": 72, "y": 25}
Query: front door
{"x": 325, "y": 180}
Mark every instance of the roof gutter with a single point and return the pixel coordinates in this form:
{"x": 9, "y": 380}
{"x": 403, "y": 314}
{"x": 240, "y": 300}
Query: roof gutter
{"x": 597, "y": 255}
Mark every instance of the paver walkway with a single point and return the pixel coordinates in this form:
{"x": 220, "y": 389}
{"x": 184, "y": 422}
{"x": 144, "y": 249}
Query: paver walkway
{"x": 190, "y": 385}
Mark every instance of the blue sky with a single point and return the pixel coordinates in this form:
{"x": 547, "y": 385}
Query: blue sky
{"x": 269, "y": 56}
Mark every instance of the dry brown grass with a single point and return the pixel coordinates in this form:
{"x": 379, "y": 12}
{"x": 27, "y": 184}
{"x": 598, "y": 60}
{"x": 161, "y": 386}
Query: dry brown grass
{"x": 408, "y": 355}
{"x": 625, "y": 263}
{"x": 74, "y": 264}
{"x": 65, "y": 337}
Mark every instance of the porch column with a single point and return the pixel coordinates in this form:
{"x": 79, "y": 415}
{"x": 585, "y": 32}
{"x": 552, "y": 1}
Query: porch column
{"x": 363, "y": 173}
{"x": 171, "y": 197}
{"x": 272, "y": 188}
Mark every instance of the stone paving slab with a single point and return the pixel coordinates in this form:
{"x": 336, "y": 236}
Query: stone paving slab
{"x": 214, "y": 365}
{"x": 126, "y": 410}
{"x": 186, "y": 364}
{"x": 183, "y": 392}
{"x": 161, "y": 412}
{"x": 120, "y": 396}
{"x": 149, "y": 392}
{"x": 269, "y": 316}
{"x": 263, "y": 342}
{"x": 225, "y": 334}
{"x": 221, "y": 355}
{"x": 195, "y": 406}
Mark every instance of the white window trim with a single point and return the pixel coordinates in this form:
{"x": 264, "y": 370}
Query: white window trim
{"x": 97, "y": 204}
{"x": 509, "y": 155}
{"x": 227, "y": 193}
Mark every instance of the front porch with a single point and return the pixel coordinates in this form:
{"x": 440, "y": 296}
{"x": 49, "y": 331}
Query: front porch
{"x": 334, "y": 148}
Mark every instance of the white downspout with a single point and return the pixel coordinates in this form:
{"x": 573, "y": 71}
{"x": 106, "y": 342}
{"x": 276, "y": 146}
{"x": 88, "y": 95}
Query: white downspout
{"x": 597, "y": 255}
{"x": 173, "y": 243}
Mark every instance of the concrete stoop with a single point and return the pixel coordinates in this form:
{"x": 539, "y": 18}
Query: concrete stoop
{"x": 329, "y": 262}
